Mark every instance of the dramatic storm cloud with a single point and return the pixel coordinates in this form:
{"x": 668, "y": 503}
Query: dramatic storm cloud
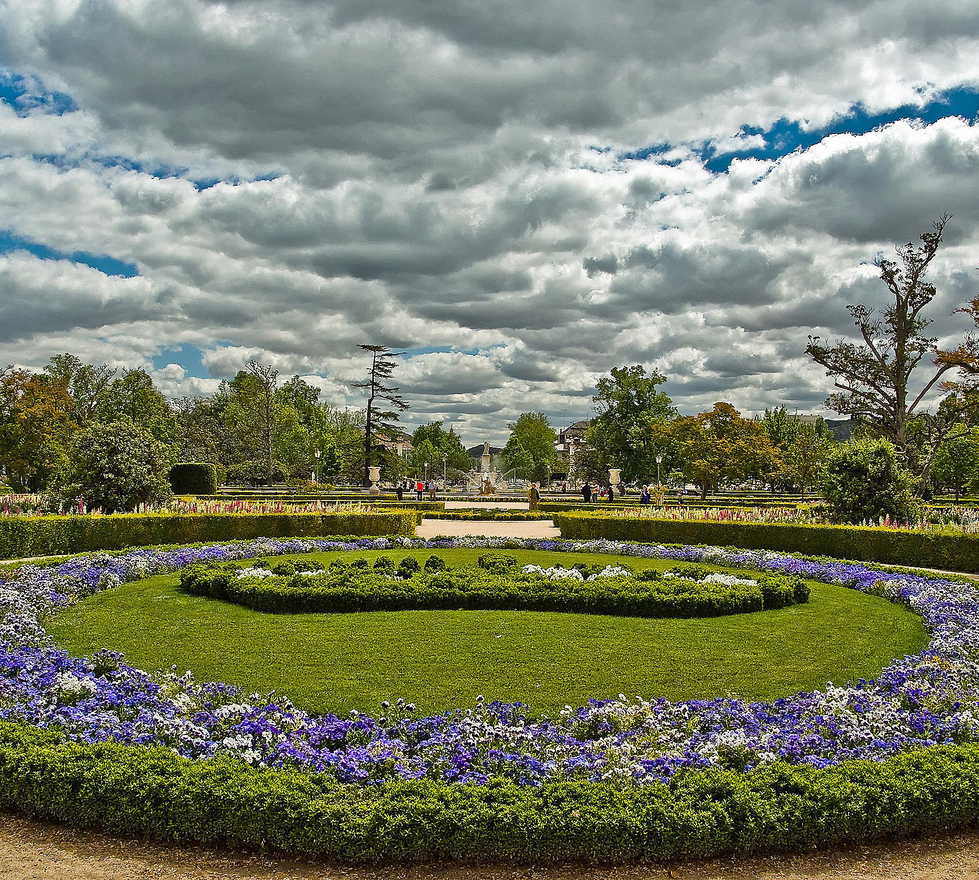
{"x": 519, "y": 195}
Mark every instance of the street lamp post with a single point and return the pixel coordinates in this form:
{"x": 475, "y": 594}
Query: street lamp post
{"x": 312, "y": 477}
{"x": 659, "y": 461}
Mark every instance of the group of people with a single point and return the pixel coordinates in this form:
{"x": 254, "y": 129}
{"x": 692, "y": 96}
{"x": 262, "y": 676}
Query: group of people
{"x": 420, "y": 487}
{"x": 589, "y": 494}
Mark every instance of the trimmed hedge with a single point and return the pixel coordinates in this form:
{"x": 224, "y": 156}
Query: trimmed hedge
{"x": 193, "y": 478}
{"x": 150, "y": 792}
{"x": 353, "y": 588}
{"x": 23, "y": 536}
{"x": 934, "y": 549}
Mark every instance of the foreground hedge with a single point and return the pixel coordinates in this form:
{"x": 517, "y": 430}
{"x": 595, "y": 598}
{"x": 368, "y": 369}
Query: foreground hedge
{"x": 343, "y": 588}
{"x": 935, "y": 549}
{"x": 150, "y": 792}
{"x": 22, "y": 536}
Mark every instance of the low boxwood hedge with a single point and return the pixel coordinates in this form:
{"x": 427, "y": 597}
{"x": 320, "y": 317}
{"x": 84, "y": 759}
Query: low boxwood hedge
{"x": 356, "y": 587}
{"x": 24, "y": 536}
{"x": 151, "y": 792}
{"x": 952, "y": 551}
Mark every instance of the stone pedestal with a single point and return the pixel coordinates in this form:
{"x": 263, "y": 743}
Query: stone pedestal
{"x": 374, "y": 474}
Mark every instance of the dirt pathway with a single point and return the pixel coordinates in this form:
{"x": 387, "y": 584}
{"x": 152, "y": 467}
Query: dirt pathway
{"x": 32, "y": 851}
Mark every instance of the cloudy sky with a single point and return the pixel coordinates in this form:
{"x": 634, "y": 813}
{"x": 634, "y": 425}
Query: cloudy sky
{"x": 520, "y": 195}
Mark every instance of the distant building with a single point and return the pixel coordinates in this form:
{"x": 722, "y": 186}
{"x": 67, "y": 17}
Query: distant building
{"x": 573, "y": 435}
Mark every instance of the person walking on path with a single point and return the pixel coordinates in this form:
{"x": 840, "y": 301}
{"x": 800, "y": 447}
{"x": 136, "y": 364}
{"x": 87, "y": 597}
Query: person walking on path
{"x": 586, "y": 493}
{"x": 534, "y": 497}
{"x": 400, "y": 489}
{"x": 644, "y": 498}
{"x": 420, "y": 489}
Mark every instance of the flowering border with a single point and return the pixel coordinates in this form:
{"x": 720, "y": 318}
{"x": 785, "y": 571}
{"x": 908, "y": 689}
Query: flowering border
{"x": 921, "y": 700}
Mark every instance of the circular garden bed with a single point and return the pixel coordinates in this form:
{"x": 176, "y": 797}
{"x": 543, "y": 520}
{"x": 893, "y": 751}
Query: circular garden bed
{"x": 98, "y": 742}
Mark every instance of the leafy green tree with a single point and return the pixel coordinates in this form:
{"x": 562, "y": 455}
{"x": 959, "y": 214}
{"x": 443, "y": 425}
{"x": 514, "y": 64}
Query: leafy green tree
{"x": 802, "y": 449}
{"x": 84, "y": 384}
{"x": 441, "y": 449}
{"x": 253, "y": 415}
{"x": 622, "y": 435}
{"x": 517, "y": 460}
{"x": 36, "y": 427}
{"x": 864, "y": 482}
{"x": 116, "y": 467}
{"x": 956, "y": 464}
{"x": 529, "y": 451}
{"x": 343, "y": 431}
{"x": 134, "y": 396}
{"x": 719, "y": 447}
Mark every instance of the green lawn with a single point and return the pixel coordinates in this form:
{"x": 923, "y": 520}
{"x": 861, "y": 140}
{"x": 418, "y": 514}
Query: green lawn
{"x": 440, "y": 659}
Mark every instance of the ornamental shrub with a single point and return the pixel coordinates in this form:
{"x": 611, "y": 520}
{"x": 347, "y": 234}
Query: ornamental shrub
{"x": 358, "y": 588}
{"x": 864, "y": 483}
{"x": 408, "y": 567}
{"x": 22, "y": 536}
{"x": 140, "y": 791}
{"x": 950, "y": 551}
{"x": 194, "y": 478}
{"x": 497, "y": 562}
{"x": 115, "y": 467}
{"x": 434, "y": 563}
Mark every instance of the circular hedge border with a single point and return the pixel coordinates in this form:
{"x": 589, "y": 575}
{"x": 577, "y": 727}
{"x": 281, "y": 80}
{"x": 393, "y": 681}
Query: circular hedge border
{"x": 94, "y": 742}
{"x": 497, "y": 582}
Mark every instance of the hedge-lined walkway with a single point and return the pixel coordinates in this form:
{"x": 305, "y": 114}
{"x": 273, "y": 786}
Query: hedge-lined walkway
{"x": 35, "y": 851}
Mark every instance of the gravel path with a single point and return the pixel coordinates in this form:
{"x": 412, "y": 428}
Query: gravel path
{"x": 34, "y": 851}
{"x": 541, "y": 528}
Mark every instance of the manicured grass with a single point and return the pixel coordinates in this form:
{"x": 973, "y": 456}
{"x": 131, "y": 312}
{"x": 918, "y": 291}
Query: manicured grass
{"x": 441, "y": 659}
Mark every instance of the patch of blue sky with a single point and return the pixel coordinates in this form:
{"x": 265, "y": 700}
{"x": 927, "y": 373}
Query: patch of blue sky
{"x": 185, "y": 355}
{"x": 788, "y": 135}
{"x": 28, "y": 95}
{"x": 10, "y": 242}
{"x": 438, "y": 349}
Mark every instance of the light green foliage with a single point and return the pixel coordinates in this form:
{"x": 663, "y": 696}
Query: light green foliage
{"x": 436, "y": 451}
{"x": 956, "y": 463}
{"x": 802, "y": 449}
{"x": 36, "y": 427}
{"x": 629, "y": 407}
{"x": 864, "y": 482}
{"x": 529, "y": 451}
{"x": 116, "y": 467}
{"x": 133, "y": 396}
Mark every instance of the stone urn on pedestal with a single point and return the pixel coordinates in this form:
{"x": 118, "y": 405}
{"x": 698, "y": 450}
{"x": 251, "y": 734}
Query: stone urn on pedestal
{"x": 374, "y": 474}
{"x": 615, "y": 478}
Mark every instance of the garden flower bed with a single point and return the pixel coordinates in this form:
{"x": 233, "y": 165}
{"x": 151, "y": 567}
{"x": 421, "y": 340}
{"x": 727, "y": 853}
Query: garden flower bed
{"x": 96, "y": 741}
{"x": 496, "y": 582}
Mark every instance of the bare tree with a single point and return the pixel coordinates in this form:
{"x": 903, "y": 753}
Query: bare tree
{"x": 379, "y": 421}
{"x": 879, "y": 379}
